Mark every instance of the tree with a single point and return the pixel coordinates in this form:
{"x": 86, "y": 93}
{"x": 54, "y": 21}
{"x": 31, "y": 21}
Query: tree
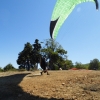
{"x": 53, "y": 52}
{"x": 30, "y": 55}
{"x": 35, "y": 55}
{"x": 86, "y": 66}
{"x": 9, "y": 67}
{"x": 24, "y": 57}
{"x": 68, "y": 64}
{"x": 1, "y": 70}
{"x": 79, "y": 65}
{"x": 94, "y": 64}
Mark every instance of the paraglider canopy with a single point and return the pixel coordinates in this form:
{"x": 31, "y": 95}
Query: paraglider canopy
{"x": 62, "y": 10}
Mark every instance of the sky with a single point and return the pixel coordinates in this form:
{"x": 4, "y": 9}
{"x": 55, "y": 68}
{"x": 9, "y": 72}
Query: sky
{"x": 23, "y": 21}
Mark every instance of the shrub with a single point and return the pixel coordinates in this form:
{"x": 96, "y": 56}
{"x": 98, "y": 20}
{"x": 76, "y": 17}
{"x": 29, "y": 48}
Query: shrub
{"x": 9, "y": 67}
{"x": 78, "y": 65}
{"x": 94, "y": 64}
{"x": 1, "y": 70}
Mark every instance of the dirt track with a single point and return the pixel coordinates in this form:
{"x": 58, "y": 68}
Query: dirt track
{"x": 63, "y": 85}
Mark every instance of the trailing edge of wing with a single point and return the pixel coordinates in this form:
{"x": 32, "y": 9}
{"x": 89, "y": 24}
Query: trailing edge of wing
{"x": 52, "y": 26}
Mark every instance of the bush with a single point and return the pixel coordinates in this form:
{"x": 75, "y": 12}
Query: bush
{"x": 94, "y": 64}
{"x": 9, "y": 67}
{"x": 86, "y": 66}
{"x": 1, "y": 70}
{"x": 78, "y": 65}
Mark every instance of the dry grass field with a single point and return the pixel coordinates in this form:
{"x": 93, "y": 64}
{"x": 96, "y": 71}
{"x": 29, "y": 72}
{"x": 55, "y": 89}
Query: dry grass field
{"x": 59, "y": 85}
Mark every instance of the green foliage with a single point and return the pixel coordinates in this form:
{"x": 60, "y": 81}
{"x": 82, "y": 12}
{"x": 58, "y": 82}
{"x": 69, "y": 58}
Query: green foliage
{"x": 24, "y": 55}
{"x": 68, "y": 64}
{"x": 86, "y": 66}
{"x": 35, "y": 55}
{"x": 54, "y": 53}
{"x": 79, "y": 65}
{"x": 9, "y": 67}
{"x": 94, "y": 64}
{"x": 29, "y": 56}
{"x": 1, "y": 70}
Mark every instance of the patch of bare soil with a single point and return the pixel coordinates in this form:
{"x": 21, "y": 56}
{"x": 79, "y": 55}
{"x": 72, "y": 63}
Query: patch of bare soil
{"x": 62, "y": 85}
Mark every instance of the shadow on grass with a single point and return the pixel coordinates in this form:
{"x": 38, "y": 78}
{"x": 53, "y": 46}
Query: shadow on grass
{"x": 10, "y": 89}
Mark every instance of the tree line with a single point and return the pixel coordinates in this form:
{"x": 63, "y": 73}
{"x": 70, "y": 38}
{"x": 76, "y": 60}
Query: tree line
{"x": 56, "y": 57}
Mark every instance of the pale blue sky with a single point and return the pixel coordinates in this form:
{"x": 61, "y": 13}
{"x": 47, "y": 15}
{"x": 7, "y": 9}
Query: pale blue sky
{"x": 24, "y": 21}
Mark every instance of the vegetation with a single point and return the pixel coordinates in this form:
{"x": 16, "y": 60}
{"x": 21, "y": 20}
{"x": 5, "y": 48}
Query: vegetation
{"x": 94, "y": 64}
{"x": 1, "y": 70}
{"x": 24, "y": 57}
{"x": 35, "y": 54}
{"x": 54, "y": 53}
{"x": 68, "y": 64}
{"x": 29, "y": 56}
{"x": 79, "y": 65}
{"x": 86, "y": 66}
{"x": 56, "y": 57}
{"x": 9, "y": 67}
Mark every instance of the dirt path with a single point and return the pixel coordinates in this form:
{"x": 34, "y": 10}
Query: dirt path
{"x": 63, "y": 85}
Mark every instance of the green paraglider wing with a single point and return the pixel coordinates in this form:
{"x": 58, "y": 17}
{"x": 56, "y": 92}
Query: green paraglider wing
{"x": 62, "y": 10}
